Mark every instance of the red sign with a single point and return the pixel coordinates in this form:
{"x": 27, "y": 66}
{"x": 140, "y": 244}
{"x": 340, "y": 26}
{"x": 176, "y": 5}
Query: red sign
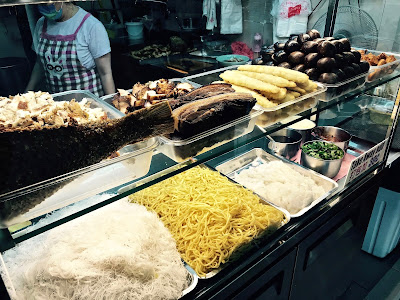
{"x": 294, "y": 11}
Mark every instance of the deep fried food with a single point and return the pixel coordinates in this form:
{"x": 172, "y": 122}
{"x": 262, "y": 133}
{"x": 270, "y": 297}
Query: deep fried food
{"x": 248, "y": 82}
{"x": 291, "y": 75}
{"x": 272, "y": 79}
{"x": 299, "y": 90}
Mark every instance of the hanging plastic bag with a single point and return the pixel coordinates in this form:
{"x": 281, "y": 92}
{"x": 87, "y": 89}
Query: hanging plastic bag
{"x": 291, "y": 16}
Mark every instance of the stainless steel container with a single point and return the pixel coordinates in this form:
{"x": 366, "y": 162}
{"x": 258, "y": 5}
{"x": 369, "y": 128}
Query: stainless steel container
{"x": 329, "y": 168}
{"x": 285, "y": 142}
{"x": 323, "y": 132}
{"x": 303, "y": 129}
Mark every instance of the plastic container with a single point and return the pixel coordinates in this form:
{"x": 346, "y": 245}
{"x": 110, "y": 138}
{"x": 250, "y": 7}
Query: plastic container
{"x": 381, "y": 112}
{"x": 43, "y": 197}
{"x": 181, "y": 150}
{"x": 383, "y": 233}
{"x": 378, "y": 72}
{"x": 135, "y": 30}
{"x": 258, "y": 156}
{"x": 338, "y": 89}
{"x": 282, "y": 111}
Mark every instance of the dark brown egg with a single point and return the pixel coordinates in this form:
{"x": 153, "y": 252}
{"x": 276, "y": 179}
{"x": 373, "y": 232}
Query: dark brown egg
{"x": 329, "y": 78}
{"x": 364, "y": 66}
{"x": 346, "y": 44}
{"x": 300, "y": 68}
{"x": 292, "y": 46}
{"x": 326, "y": 64}
{"x": 349, "y": 57}
{"x": 309, "y": 47}
{"x": 349, "y": 71}
{"x": 357, "y": 55}
{"x": 311, "y": 59}
{"x": 340, "y": 61}
{"x": 302, "y": 38}
{"x": 279, "y": 57}
{"x": 326, "y": 49}
{"x": 314, "y": 34}
{"x": 296, "y": 58}
{"x": 356, "y": 68}
{"x": 338, "y": 45}
{"x": 312, "y": 73}
{"x": 279, "y": 46}
{"x": 285, "y": 64}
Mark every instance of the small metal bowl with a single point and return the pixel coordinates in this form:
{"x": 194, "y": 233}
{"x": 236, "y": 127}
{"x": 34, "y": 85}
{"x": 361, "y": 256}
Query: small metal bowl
{"x": 305, "y": 132}
{"x": 289, "y": 148}
{"x": 328, "y": 168}
{"x": 342, "y": 136}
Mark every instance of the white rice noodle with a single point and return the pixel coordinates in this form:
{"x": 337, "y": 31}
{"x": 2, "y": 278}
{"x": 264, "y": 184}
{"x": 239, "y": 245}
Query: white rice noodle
{"x": 121, "y": 251}
{"x": 281, "y": 185}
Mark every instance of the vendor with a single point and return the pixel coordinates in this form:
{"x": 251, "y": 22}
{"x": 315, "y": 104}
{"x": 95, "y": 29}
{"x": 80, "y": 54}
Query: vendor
{"x": 73, "y": 49}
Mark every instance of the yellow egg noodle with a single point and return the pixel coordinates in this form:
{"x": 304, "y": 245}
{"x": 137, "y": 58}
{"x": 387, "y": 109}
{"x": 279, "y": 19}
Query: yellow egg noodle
{"x": 208, "y": 215}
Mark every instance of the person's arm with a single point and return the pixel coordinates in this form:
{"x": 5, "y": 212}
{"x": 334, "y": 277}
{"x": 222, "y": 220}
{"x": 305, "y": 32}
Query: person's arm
{"x": 37, "y": 76}
{"x": 103, "y": 65}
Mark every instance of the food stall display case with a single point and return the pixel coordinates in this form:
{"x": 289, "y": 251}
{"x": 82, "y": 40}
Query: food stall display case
{"x": 371, "y": 119}
{"x": 280, "y": 265}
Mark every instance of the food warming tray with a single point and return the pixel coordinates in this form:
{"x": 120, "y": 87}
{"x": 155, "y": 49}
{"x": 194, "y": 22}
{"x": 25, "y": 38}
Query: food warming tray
{"x": 280, "y": 112}
{"x": 133, "y": 162}
{"x": 181, "y": 150}
{"x": 339, "y": 89}
{"x": 258, "y": 156}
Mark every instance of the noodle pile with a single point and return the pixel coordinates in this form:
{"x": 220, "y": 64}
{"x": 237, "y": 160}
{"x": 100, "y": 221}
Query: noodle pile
{"x": 208, "y": 215}
{"x": 121, "y": 251}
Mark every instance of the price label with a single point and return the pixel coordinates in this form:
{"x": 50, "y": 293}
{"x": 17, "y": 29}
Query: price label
{"x": 366, "y": 161}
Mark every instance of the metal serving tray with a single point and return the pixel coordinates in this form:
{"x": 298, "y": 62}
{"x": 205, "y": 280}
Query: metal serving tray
{"x": 339, "y": 89}
{"x": 192, "y": 279}
{"x": 237, "y": 254}
{"x": 240, "y": 251}
{"x": 133, "y": 162}
{"x": 258, "y": 156}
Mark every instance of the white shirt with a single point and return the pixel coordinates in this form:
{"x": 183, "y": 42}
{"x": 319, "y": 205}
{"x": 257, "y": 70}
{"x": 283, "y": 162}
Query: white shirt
{"x": 91, "y": 41}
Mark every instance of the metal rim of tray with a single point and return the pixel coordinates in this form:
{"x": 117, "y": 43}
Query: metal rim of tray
{"x": 193, "y": 282}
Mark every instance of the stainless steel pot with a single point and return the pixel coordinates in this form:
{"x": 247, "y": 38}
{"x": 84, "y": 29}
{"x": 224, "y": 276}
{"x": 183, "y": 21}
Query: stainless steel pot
{"x": 285, "y": 142}
{"x": 342, "y": 136}
{"x": 328, "y": 168}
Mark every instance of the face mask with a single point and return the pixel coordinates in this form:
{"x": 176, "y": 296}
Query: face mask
{"x": 50, "y": 12}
